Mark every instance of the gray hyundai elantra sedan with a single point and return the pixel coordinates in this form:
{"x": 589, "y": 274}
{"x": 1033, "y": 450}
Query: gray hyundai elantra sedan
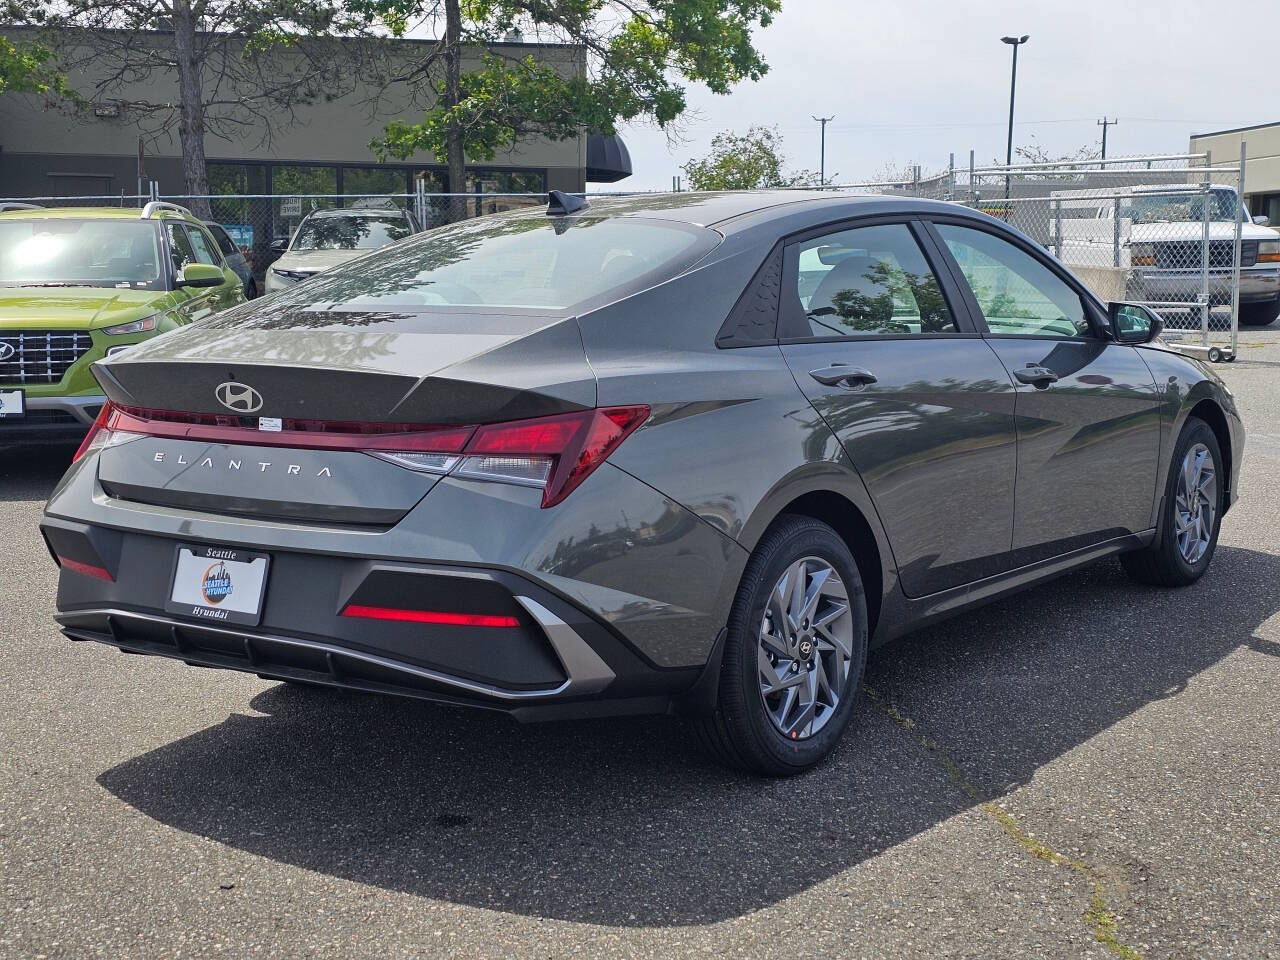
{"x": 688, "y": 454}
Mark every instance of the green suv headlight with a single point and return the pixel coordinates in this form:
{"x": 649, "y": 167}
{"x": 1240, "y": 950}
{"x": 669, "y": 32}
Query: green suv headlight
{"x": 145, "y": 325}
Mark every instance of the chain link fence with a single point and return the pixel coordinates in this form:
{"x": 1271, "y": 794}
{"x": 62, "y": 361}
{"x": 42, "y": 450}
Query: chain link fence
{"x": 1169, "y": 231}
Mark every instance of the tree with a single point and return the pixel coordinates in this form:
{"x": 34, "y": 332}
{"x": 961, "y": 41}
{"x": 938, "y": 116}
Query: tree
{"x": 223, "y": 58}
{"x": 632, "y": 58}
{"x": 1035, "y": 152}
{"x": 749, "y": 161}
{"x": 29, "y": 68}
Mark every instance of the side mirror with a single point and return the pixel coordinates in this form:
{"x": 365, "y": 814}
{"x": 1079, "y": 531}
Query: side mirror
{"x": 1262, "y": 220}
{"x": 201, "y": 275}
{"x": 280, "y": 245}
{"x": 1133, "y": 322}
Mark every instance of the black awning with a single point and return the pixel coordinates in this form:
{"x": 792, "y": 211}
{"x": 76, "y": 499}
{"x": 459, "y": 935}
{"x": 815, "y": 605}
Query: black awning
{"x": 607, "y": 158}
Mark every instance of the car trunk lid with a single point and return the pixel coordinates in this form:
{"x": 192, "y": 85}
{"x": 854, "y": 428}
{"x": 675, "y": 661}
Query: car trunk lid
{"x": 293, "y": 419}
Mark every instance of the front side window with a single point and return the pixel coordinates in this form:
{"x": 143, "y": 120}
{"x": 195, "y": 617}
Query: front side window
{"x": 869, "y": 281}
{"x": 179, "y": 247}
{"x": 526, "y": 262}
{"x": 80, "y": 253}
{"x": 1018, "y": 295}
{"x": 351, "y": 231}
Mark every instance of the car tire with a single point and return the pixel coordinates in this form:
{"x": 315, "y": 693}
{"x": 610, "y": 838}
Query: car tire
{"x": 747, "y": 729}
{"x": 251, "y": 290}
{"x": 1168, "y": 562}
{"x": 1259, "y": 314}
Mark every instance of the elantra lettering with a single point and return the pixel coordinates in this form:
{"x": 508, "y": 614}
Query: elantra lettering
{"x": 291, "y": 469}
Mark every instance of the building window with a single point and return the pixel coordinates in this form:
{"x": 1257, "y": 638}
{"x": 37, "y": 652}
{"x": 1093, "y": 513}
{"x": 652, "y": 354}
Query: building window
{"x": 374, "y": 181}
{"x": 483, "y": 182}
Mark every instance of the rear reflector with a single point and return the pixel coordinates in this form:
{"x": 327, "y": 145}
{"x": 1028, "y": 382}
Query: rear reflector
{"x": 85, "y": 569}
{"x": 429, "y": 616}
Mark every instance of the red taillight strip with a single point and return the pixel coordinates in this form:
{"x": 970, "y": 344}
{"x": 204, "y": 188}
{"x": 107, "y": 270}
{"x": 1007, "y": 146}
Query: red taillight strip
{"x": 428, "y": 616}
{"x": 86, "y": 569}
{"x": 306, "y": 434}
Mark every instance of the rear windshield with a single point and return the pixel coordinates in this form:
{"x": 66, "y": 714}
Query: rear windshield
{"x": 508, "y": 262}
{"x": 350, "y": 231}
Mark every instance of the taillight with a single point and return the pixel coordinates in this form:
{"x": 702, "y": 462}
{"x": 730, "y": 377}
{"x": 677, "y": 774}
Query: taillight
{"x": 556, "y": 453}
{"x": 97, "y": 435}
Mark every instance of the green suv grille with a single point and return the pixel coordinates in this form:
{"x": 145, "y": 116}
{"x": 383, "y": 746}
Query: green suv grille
{"x": 40, "y": 356}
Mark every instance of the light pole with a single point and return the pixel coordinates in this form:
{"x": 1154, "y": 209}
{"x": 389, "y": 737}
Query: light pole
{"x": 822, "y": 161}
{"x": 1014, "y": 42}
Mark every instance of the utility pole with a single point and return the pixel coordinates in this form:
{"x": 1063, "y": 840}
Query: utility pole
{"x": 1014, "y": 42}
{"x": 1104, "y": 123}
{"x": 822, "y": 161}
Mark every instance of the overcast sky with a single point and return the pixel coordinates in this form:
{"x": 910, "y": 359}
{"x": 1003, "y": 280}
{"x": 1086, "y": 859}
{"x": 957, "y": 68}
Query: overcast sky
{"x": 911, "y": 80}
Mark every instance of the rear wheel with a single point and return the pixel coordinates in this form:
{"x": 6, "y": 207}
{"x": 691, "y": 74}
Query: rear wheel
{"x": 1259, "y": 314}
{"x": 1191, "y": 514}
{"x": 794, "y": 654}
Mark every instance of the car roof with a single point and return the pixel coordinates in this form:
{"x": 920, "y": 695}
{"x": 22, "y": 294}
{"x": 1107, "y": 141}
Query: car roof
{"x": 731, "y": 211}
{"x": 358, "y": 212}
{"x": 94, "y": 213}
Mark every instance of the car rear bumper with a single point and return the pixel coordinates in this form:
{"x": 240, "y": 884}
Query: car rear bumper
{"x": 617, "y": 601}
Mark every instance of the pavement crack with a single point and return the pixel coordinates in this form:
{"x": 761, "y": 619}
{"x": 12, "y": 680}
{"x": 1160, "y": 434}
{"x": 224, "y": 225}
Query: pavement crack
{"x": 1100, "y": 917}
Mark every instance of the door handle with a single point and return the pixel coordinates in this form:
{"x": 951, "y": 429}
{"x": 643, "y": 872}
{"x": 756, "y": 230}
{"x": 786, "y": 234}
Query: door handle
{"x": 1035, "y": 374}
{"x": 843, "y": 375}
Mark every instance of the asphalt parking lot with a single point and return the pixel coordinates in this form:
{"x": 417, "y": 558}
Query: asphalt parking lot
{"x": 1090, "y": 769}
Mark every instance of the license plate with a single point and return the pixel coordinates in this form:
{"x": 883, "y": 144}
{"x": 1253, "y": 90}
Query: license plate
{"x": 218, "y": 584}
{"x": 13, "y": 404}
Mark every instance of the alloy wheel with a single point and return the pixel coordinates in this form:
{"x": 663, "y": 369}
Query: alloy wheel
{"x": 1196, "y": 503}
{"x": 806, "y": 643}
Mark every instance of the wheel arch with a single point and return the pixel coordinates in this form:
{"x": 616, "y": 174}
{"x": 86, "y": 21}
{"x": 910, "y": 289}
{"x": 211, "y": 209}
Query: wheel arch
{"x": 1207, "y": 409}
{"x": 843, "y": 516}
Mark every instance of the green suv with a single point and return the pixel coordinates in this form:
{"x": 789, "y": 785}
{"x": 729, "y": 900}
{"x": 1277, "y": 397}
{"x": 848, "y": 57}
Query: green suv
{"x": 80, "y": 283}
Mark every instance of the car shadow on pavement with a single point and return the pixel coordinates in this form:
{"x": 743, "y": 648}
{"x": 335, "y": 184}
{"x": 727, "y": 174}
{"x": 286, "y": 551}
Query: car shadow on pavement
{"x": 625, "y": 823}
{"x": 31, "y": 471}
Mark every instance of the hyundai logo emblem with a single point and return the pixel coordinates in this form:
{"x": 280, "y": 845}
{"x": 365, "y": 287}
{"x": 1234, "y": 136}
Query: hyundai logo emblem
{"x": 7, "y": 351}
{"x": 239, "y": 397}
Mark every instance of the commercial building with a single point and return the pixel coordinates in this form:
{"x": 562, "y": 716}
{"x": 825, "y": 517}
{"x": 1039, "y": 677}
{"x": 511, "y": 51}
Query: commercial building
{"x": 323, "y": 149}
{"x": 1262, "y": 162}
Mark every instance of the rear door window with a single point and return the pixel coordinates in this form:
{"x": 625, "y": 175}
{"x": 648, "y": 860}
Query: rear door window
{"x": 867, "y": 281}
{"x": 203, "y": 247}
{"x": 224, "y": 242}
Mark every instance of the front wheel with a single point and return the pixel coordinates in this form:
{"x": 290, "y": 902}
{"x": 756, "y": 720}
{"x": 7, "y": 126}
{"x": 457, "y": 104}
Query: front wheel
{"x": 794, "y": 654}
{"x": 1190, "y": 516}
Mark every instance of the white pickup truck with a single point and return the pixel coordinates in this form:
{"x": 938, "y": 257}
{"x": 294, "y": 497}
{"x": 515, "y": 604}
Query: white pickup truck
{"x": 1158, "y": 242}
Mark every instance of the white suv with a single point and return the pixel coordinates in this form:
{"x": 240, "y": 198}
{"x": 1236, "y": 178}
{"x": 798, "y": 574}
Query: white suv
{"x": 328, "y": 237}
